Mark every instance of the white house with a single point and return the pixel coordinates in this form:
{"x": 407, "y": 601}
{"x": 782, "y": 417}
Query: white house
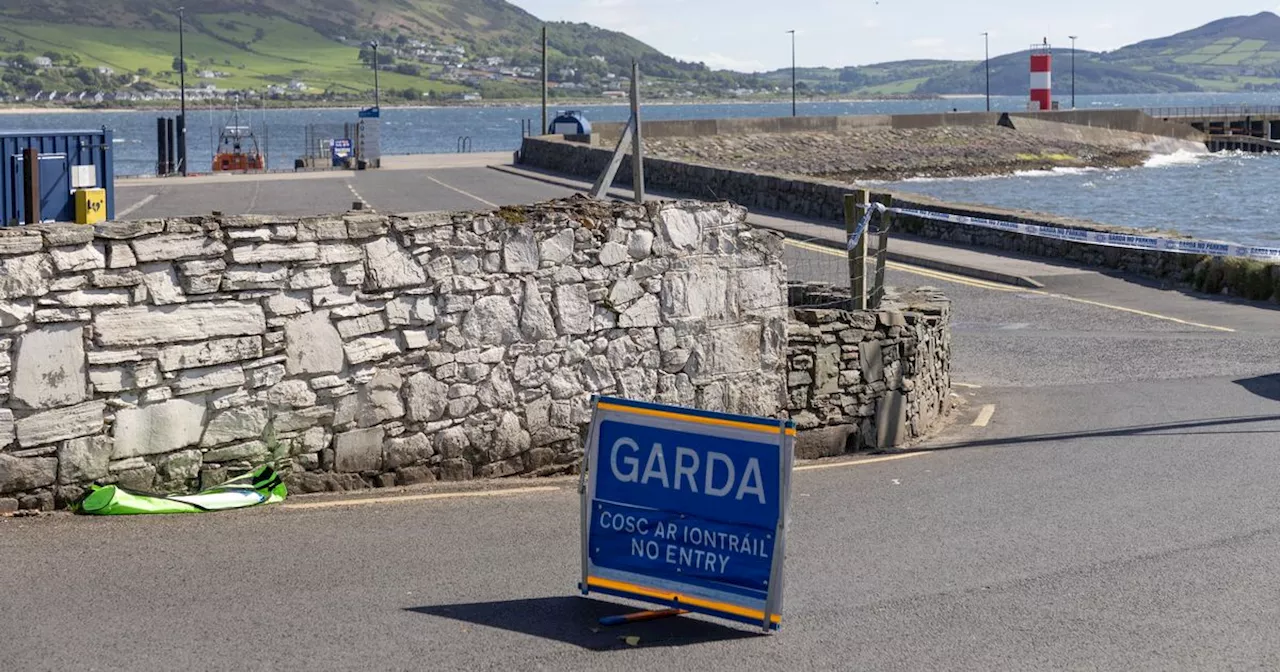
{"x": 42, "y": 62}
{"x": 104, "y": 70}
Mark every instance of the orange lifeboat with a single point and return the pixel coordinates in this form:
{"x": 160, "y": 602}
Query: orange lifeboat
{"x": 237, "y": 151}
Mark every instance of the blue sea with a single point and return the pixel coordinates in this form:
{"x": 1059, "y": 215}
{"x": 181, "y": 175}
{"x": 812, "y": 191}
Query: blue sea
{"x": 1225, "y": 197}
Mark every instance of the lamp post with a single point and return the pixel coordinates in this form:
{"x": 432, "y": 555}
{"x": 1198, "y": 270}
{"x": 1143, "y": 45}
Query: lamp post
{"x": 793, "y": 72}
{"x": 377, "y": 100}
{"x": 986, "y": 40}
{"x": 182, "y": 93}
{"x": 1073, "y": 71}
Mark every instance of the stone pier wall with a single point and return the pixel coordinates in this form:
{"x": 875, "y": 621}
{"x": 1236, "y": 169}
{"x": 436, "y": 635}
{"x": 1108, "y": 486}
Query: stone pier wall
{"x": 370, "y": 350}
{"x": 861, "y": 379}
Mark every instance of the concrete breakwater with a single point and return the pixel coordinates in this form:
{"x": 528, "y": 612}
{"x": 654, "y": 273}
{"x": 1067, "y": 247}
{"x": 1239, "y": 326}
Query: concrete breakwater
{"x": 822, "y": 199}
{"x": 888, "y": 147}
{"x": 375, "y": 350}
{"x": 890, "y": 154}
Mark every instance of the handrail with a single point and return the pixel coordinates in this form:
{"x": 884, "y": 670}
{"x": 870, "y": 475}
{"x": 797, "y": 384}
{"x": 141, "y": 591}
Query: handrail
{"x": 1213, "y": 111}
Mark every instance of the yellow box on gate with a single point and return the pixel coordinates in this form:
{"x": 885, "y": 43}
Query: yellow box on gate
{"x": 91, "y": 206}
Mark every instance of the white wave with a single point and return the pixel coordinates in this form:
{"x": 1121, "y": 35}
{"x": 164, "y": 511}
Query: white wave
{"x": 1058, "y": 171}
{"x": 1178, "y": 158}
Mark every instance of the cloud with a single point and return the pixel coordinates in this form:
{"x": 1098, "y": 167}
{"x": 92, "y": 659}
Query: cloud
{"x": 718, "y": 61}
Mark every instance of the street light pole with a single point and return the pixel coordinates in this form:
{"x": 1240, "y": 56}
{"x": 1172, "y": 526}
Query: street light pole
{"x": 377, "y": 96}
{"x": 182, "y": 93}
{"x": 793, "y": 72}
{"x": 986, "y": 39}
{"x": 1073, "y": 71}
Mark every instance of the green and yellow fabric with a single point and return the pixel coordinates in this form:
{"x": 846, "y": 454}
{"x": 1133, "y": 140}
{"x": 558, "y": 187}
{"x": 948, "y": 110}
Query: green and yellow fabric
{"x": 263, "y": 485}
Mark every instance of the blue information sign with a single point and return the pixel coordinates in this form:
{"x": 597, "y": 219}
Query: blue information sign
{"x": 686, "y": 508}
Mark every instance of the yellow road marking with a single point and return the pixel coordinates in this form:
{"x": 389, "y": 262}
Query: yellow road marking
{"x": 856, "y": 463}
{"x": 420, "y": 498}
{"x": 1001, "y": 287}
{"x": 984, "y": 416}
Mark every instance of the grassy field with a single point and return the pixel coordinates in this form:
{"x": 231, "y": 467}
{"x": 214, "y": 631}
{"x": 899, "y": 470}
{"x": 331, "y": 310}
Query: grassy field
{"x": 286, "y": 52}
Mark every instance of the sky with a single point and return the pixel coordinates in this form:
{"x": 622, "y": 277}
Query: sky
{"x": 750, "y": 35}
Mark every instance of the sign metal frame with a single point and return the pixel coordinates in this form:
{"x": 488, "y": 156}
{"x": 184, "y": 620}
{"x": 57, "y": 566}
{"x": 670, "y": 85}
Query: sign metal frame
{"x": 666, "y": 590}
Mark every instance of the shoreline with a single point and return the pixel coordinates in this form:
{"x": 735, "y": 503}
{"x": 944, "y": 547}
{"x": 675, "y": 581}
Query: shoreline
{"x": 513, "y": 103}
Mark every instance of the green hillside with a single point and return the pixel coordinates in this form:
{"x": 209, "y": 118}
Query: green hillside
{"x": 254, "y": 44}
{"x": 442, "y": 49}
{"x": 1233, "y": 54}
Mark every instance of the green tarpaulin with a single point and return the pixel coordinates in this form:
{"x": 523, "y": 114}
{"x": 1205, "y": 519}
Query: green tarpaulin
{"x": 263, "y": 485}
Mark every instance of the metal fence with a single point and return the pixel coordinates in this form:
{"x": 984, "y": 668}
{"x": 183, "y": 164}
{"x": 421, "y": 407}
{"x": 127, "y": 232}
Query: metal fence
{"x": 852, "y": 276}
{"x": 1213, "y": 111}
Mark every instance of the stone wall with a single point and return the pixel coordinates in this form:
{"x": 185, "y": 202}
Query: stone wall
{"x": 823, "y": 200}
{"x": 1129, "y": 121}
{"x": 860, "y": 379}
{"x": 370, "y": 349}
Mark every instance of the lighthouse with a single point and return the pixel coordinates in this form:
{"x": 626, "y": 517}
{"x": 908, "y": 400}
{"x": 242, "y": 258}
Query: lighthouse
{"x": 1041, "y": 77}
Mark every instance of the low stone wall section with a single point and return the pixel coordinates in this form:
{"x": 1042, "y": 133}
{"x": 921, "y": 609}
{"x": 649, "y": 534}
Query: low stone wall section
{"x": 368, "y": 350}
{"x": 863, "y": 379}
{"x": 823, "y": 200}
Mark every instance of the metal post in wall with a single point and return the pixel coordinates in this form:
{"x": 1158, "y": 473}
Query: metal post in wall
{"x": 882, "y": 248}
{"x": 637, "y": 151}
{"x": 855, "y": 206}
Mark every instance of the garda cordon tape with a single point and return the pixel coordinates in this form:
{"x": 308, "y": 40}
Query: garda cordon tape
{"x": 1129, "y": 241}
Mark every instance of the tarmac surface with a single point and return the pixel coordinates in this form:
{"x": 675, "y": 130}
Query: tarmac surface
{"x": 1104, "y": 498}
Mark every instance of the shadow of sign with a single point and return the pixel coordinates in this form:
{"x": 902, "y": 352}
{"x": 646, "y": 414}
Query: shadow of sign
{"x": 1267, "y": 387}
{"x": 576, "y": 620}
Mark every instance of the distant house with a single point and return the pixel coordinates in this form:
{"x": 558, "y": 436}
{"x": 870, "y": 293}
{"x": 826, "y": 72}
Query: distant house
{"x": 494, "y": 61}
{"x": 207, "y": 74}
{"x": 599, "y": 58}
{"x": 614, "y": 94}
{"x": 472, "y": 97}
{"x": 297, "y": 85}
{"x": 104, "y": 70}
{"x": 42, "y": 62}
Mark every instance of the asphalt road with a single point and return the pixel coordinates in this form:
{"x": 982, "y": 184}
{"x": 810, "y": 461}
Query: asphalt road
{"x": 1104, "y": 499}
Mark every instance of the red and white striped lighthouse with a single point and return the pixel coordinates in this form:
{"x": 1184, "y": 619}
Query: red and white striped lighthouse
{"x": 1041, "y": 77}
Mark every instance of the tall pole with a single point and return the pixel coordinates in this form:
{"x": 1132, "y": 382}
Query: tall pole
{"x": 182, "y": 93}
{"x": 544, "y": 130}
{"x": 377, "y": 92}
{"x": 793, "y": 72}
{"x": 1073, "y": 71}
{"x": 986, "y": 40}
{"x": 637, "y": 150}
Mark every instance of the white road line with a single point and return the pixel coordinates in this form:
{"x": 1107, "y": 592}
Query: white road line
{"x": 420, "y": 498}
{"x": 468, "y": 195}
{"x": 855, "y": 463}
{"x": 984, "y": 416}
{"x": 135, "y": 207}
{"x": 367, "y": 206}
{"x": 970, "y": 386}
{"x": 253, "y": 202}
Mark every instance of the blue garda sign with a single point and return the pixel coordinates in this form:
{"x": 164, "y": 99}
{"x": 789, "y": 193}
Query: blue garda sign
{"x": 686, "y": 509}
